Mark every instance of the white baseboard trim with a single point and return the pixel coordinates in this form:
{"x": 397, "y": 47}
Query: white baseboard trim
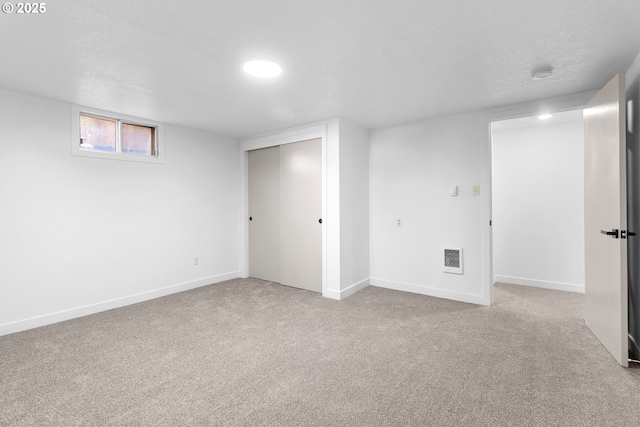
{"x": 339, "y": 295}
{"x": 48, "y": 319}
{"x": 354, "y": 288}
{"x": 331, "y": 293}
{"x": 557, "y": 286}
{"x": 426, "y": 290}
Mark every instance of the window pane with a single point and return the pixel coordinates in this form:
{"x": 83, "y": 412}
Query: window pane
{"x": 97, "y": 134}
{"x": 138, "y": 140}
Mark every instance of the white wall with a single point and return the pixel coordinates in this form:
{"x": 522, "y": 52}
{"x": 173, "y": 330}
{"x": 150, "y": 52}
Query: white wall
{"x": 354, "y": 207}
{"x": 80, "y": 235}
{"x": 412, "y": 167}
{"x": 538, "y": 205}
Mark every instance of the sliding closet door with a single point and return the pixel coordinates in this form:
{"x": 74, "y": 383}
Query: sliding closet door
{"x": 264, "y": 214}
{"x": 301, "y": 214}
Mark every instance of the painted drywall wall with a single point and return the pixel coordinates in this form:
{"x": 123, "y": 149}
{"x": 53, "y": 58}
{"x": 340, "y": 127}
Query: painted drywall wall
{"x": 412, "y": 168}
{"x": 538, "y": 205}
{"x": 632, "y": 80}
{"x": 354, "y": 207}
{"x": 79, "y": 235}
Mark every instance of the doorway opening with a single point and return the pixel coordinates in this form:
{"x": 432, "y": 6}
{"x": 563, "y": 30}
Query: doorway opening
{"x": 281, "y": 139}
{"x": 538, "y": 201}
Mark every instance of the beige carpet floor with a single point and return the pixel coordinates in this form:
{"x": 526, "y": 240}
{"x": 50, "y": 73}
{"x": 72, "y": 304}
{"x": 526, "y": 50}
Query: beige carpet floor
{"x": 253, "y": 353}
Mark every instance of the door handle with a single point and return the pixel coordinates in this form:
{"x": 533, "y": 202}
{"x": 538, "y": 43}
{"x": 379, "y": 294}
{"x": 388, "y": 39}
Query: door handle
{"x": 613, "y": 233}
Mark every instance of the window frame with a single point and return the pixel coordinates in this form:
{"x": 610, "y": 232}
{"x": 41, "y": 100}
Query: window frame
{"x": 77, "y": 150}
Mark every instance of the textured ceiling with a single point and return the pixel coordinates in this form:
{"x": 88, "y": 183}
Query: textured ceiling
{"x": 376, "y": 62}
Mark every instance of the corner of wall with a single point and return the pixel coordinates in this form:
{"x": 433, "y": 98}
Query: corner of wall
{"x": 354, "y": 207}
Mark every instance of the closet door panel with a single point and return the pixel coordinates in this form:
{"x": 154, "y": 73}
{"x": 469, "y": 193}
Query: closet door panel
{"x": 264, "y": 213}
{"x": 300, "y": 214}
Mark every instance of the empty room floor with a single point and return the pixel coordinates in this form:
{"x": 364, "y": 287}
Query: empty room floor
{"x": 249, "y": 352}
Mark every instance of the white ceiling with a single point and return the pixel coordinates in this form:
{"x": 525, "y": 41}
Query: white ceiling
{"x": 376, "y": 62}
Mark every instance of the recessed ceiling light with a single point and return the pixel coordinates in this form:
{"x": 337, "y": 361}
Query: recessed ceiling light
{"x": 544, "y": 116}
{"x": 542, "y": 74}
{"x": 262, "y": 68}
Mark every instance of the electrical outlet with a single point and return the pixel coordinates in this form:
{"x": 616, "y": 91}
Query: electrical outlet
{"x": 399, "y": 222}
{"x": 196, "y": 260}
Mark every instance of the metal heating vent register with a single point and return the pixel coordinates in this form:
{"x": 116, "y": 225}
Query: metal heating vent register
{"x": 452, "y": 260}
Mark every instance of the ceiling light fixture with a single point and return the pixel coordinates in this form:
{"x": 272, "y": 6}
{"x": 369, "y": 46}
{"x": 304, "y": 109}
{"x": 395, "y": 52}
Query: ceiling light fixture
{"x": 544, "y": 116}
{"x": 542, "y": 74}
{"x": 262, "y": 68}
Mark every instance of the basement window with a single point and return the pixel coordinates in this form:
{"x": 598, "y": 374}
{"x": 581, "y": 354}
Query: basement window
{"x": 108, "y": 135}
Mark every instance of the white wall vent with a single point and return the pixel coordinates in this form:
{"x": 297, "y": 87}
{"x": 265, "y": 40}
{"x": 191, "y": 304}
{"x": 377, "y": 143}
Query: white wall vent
{"x": 452, "y": 260}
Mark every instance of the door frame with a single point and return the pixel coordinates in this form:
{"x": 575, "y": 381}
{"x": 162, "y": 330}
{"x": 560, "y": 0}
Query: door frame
{"x": 553, "y": 105}
{"x": 287, "y": 137}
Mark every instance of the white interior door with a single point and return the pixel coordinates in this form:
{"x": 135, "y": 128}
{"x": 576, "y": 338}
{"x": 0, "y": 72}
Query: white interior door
{"x": 264, "y": 213}
{"x": 605, "y": 212}
{"x": 301, "y": 214}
